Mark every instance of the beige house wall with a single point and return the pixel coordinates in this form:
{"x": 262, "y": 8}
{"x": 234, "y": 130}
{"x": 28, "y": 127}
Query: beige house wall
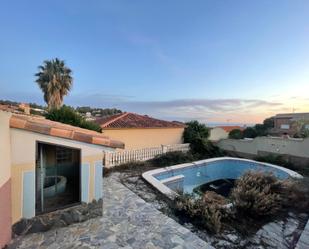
{"x": 278, "y": 145}
{"x": 145, "y": 138}
{"x": 218, "y": 133}
{"x": 5, "y": 149}
{"x": 23, "y": 155}
{"x": 5, "y": 179}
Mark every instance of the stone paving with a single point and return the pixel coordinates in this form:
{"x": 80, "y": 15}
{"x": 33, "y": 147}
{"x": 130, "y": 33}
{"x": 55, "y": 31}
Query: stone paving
{"x": 128, "y": 222}
{"x": 303, "y": 242}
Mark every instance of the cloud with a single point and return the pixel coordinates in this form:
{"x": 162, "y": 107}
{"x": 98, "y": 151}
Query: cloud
{"x": 205, "y": 110}
{"x": 208, "y": 110}
{"x": 208, "y": 105}
{"x": 233, "y": 110}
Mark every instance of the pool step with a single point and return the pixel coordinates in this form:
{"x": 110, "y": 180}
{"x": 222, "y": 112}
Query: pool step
{"x": 175, "y": 183}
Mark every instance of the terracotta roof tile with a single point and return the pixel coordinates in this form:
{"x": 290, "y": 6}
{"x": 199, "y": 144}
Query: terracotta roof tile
{"x": 57, "y": 129}
{"x": 57, "y": 132}
{"x": 133, "y": 120}
{"x": 38, "y": 127}
{"x": 82, "y": 137}
{"x": 100, "y": 140}
{"x": 18, "y": 123}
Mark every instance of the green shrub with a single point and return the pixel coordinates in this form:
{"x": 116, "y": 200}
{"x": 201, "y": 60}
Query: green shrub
{"x": 195, "y": 130}
{"x": 303, "y": 133}
{"x": 257, "y": 130}
{"x": 203, "y": 148}
{"x": 269, "y": 123}
{"x": 257, "y": 194}
{"x": 205, "y": 212}
{"x": 236, "y": 134}
{"x": 250, "y": 132}
{"x": 68, "y": 115}
{"x": 261, "y": 130}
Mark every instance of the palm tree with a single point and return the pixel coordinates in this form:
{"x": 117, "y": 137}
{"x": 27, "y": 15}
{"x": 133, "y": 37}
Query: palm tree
{"x": 55, "y": 80}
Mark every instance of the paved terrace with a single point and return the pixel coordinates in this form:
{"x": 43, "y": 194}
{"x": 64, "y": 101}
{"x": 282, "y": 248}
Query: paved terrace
{"x": 128, "y": 222}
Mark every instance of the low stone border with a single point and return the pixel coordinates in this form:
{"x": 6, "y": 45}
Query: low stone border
{"x": 59, "y": 218}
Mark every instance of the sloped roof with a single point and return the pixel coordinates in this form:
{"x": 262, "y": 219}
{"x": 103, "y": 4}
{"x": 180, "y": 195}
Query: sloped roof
{"x": 228, "y": 129}
{"x": 57, "y": 129}
{"x": 133, "y": 120}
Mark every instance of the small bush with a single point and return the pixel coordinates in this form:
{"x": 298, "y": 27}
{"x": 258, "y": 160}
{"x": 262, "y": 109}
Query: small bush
{"x": 205, "y": 212}
{"x": 296, "y": 194}
{"x": 250, "y": 132}
{"x": 195, "y": 130}
{"x": 236, "y": 134}
{"x": 273, "y": 159}
{"x": 214, "y": 198}
{"x": 68, "y": 115}
{"x": 202, "y": 149}
{"x": 167, "y": 159}
{"x": 281, "y": 161}
{"x": 171, "y": 158}
{"x": 136, "y": 166}
{"x": 257, "y": 194}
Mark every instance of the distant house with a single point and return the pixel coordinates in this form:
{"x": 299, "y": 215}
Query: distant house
{"x": 141, "y": 131}
{"x": 22, "y": 108}
{"x": 289, "y": 123}
{"x": 222, "y": 132}
{"x": 46, "y": 166}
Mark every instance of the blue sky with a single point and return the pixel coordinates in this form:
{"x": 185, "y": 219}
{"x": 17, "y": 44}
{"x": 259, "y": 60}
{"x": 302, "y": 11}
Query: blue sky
{"x": 215, "y": 61}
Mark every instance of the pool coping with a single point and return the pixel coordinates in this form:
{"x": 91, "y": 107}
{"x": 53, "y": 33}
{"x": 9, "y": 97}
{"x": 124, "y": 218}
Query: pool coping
{"x": 149, "y": 176}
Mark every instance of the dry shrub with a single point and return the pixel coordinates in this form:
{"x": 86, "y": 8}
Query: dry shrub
{"x": 296, "y": 194}
{"x": 214, "y": 198}
{"x": 135, "y": 166}
{"x": 171, "y": 158}
{"x": 164, "y": 160}
{"x": 257, "y": 194}
{"x": 206, "y": 211}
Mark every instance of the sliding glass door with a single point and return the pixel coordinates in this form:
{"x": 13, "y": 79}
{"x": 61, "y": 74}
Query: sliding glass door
{"x": 57, "y": 177}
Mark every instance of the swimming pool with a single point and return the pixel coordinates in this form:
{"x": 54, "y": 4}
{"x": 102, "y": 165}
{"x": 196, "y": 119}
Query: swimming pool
{"x": 187, "y": 177}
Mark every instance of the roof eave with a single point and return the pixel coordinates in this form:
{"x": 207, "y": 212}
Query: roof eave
{"x": 71, "y": 134}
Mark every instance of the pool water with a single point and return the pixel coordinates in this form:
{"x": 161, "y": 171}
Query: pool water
{"x": 216, "y": 174}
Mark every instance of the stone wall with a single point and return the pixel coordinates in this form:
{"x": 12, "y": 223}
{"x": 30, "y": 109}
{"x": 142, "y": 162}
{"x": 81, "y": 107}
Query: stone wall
{"x": 296, "y": 150}
{"x": 59, "y": 218}
{"x": 290, "y": 146}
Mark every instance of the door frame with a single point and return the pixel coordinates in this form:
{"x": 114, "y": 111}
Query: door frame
{"x": 37, "y": 142}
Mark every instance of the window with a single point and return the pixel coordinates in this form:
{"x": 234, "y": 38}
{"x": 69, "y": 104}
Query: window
{"x": 63, "y": 155}
{"x": 285, "y": 126}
